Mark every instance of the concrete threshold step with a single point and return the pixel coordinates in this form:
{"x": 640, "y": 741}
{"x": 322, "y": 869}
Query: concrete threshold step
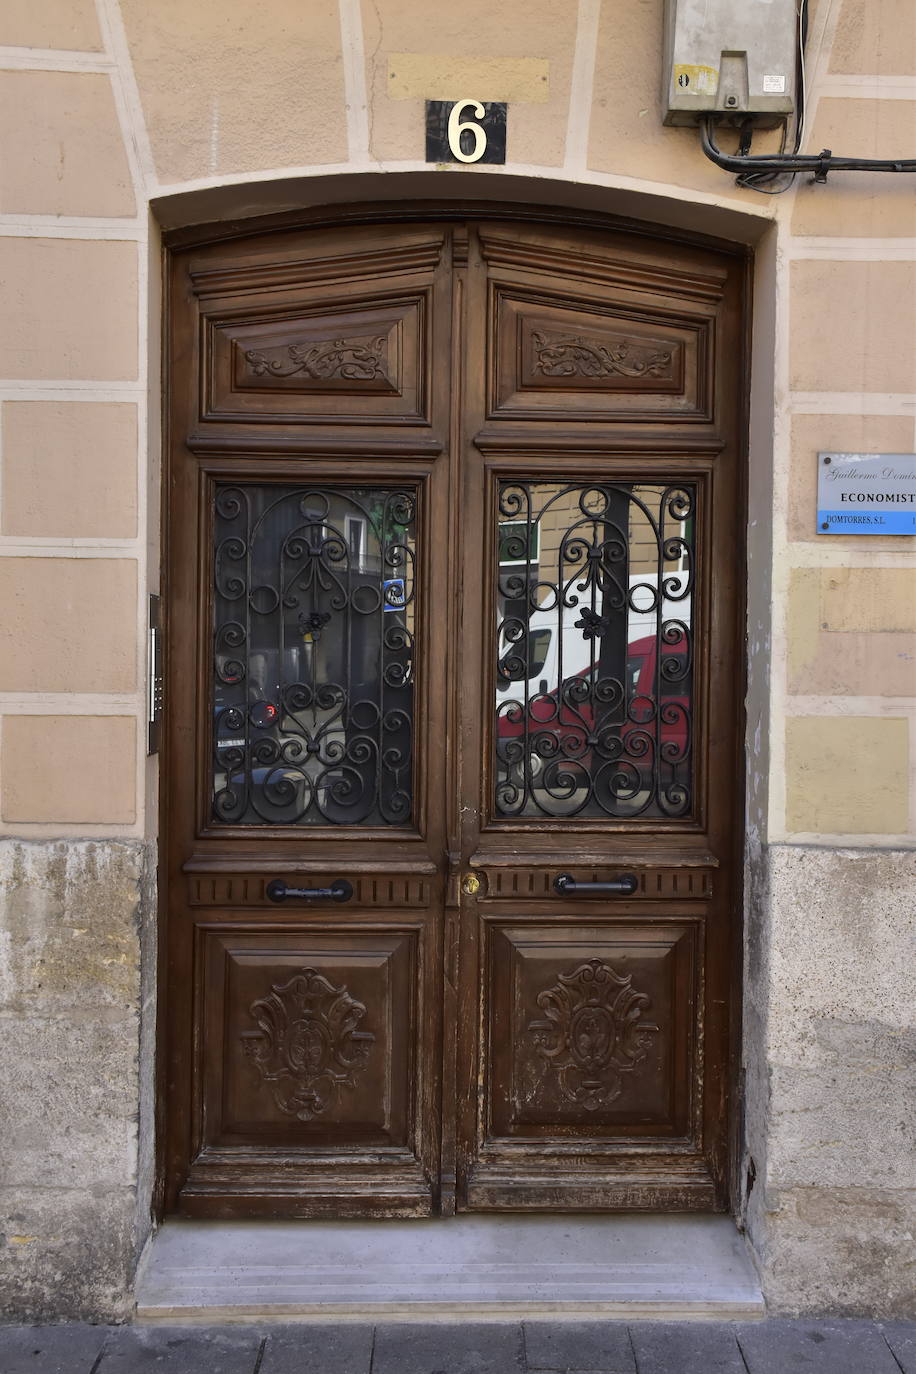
{"x": 490, "y": 1267}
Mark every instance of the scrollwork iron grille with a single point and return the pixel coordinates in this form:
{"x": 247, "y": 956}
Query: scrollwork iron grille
{"x": 314, "y": 604}
{"x": 594, "y": 646}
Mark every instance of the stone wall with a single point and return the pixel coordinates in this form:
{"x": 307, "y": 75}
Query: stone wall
{"x": 73, "y": 919}
{"x": 832, "y": 1213}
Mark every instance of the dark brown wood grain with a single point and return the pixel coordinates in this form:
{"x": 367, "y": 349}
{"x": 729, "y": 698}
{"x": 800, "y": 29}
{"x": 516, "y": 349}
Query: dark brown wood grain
{"x": 454, "y": 1053}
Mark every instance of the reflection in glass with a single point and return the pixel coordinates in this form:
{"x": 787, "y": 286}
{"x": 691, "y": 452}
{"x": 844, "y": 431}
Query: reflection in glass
{"x": 314, "y": 604}
{"x": 594, "y": 650}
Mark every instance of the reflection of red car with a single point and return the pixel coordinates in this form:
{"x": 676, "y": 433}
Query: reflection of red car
{"x": 561, "y": 724}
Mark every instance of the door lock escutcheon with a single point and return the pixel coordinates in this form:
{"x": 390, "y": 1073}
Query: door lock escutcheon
{"x": 470, "y": 884}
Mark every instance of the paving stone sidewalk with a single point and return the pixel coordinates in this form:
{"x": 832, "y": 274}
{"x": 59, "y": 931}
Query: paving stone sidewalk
{"x": 767, "y": 1347}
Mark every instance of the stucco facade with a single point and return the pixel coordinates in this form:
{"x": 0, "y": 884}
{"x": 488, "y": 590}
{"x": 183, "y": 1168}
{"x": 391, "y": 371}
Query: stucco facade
{"x": 121, "y": 118}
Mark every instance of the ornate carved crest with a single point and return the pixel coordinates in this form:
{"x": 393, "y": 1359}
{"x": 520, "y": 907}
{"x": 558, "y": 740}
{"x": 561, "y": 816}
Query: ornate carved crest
{"x": 308, "y": 1047}
{"x": 593, "y": 1033}
{"x": 567, "y": 355}
{"x": 350, "y": 360}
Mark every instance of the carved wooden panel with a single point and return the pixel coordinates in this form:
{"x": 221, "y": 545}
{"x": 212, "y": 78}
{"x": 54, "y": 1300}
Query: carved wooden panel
{"x": 307, "y": 1037}
{"x": 655, "y": 884}
{"x": 615, "y": 266}
{"x": 563, "y": 355}
{"x": 243, "y": 889}
{"x": 593, "y": 1029}
{"x": 359, "y": 258}
{"x": 321, "y": 361}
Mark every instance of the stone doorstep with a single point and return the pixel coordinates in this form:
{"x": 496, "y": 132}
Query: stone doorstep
{"x": 473, "y": 1267}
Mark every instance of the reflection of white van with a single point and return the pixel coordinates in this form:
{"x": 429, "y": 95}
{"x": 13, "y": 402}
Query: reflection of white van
{"x": 543, "y": 647}
{"x": 543, "y": 654}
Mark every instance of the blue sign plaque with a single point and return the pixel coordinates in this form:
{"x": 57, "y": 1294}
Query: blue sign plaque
{"x": 395, "y": 593}
{"x": 866, "y": 493}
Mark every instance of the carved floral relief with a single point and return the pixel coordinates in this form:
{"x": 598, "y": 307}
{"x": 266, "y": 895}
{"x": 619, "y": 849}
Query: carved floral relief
{"x": 308, "y": 1047}
{"x": 350, "y": 360}
{"x": 594, "y": 1032}
{"x": 577, "y": 355}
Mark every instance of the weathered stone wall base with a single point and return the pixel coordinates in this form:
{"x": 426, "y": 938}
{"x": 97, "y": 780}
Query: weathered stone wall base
{"x": 72, "y": 1219}
{"x": 840, "y": 1250}
{"x": 67, "y": 1253}
{"x": 832, "y": 1214}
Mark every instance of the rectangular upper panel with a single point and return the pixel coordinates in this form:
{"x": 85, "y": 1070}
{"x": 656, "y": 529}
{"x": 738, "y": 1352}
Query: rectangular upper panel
{"x": 558, "y": 357}
{"x": 324, "y": 328}
{"x": 330, "y": 361}
{"x": 584, "y": 335}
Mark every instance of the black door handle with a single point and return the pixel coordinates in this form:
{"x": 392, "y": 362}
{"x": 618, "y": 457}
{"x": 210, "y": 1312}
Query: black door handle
{"x": 566, "y": 885}
{"x": 339, "y": 891}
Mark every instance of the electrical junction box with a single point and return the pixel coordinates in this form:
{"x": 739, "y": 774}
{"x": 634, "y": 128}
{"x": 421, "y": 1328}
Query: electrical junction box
{"x": 730, "y": 58}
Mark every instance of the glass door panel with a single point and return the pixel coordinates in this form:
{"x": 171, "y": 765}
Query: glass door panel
{"x": 313, "y": 637}
{"x": 594, "y": 650}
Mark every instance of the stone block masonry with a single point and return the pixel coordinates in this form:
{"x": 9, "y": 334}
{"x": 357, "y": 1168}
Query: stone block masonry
{"x": 73, "y": 921}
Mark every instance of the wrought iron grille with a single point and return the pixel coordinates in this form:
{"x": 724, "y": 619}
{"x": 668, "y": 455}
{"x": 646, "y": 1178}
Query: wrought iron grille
{"x": 594, "y": 649}
{"x": 314, "y": 605}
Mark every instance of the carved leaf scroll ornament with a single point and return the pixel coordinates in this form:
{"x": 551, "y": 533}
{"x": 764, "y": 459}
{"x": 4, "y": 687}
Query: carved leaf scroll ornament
{"x": 308, "y": 1047}
{"x": 593, "y": 1033}
{"x": 351, "y": 360}
{"x": 567, "y": 355}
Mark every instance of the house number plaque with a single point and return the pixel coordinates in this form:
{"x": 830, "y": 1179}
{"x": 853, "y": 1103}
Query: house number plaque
{"x": 467, "y": 130}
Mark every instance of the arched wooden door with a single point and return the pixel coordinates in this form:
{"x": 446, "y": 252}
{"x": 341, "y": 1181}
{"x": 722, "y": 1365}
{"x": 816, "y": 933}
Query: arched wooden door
{"x": 451, "y": 773}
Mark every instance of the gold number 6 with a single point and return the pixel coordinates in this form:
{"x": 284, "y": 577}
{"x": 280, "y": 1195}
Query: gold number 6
{"x": 456, "y": 128}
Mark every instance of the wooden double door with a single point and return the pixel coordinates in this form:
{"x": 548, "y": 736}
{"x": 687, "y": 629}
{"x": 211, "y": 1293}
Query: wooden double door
{"x": 450, "y": 770}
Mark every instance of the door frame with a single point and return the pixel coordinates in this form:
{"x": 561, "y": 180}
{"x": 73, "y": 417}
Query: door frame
{"x": 385, "y": 213}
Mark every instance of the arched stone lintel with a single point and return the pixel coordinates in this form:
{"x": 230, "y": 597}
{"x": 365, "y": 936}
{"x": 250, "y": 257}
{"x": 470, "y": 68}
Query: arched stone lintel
{"x": 656, "y": 205}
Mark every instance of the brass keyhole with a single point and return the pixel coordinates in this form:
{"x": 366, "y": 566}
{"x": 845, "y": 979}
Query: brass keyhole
{"x": 470, "y": 884}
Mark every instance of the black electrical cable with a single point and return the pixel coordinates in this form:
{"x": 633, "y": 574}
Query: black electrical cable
{"x": 775, "y": 183}
{"x": 773, "y": 173}
{"x": 768, "y": 183}
{"x": 818, "y": 163}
